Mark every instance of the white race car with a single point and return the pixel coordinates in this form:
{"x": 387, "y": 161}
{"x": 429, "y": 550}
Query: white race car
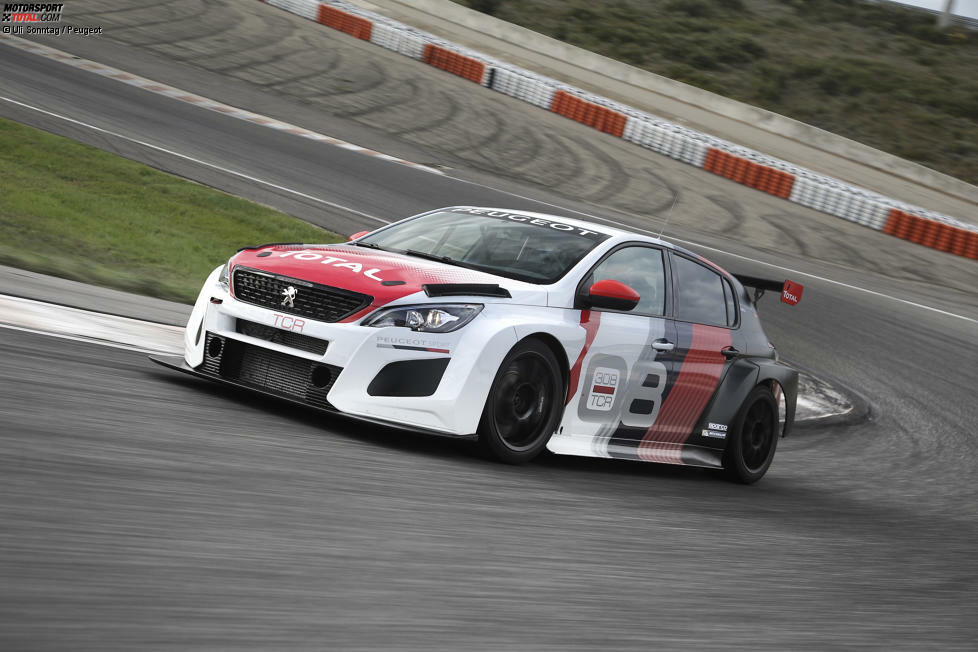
{"x": 518, "y": 329}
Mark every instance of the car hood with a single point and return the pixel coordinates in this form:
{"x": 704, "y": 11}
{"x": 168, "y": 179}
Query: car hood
{"x": 385, "y": 276}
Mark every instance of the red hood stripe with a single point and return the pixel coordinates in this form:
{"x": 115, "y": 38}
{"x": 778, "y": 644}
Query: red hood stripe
{"x": 383, "y": 275}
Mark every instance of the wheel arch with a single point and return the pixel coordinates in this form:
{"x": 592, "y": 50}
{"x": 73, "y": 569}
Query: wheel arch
{"x": 559, "y": 352}
{"x": 742, "y": 377}
{"x": 774, "y": 375}
{"x": 493, "y": 441}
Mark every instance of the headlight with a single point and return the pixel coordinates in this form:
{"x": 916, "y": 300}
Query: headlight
{"x": 426, "y": 319}
{"x": 224, "y": 278}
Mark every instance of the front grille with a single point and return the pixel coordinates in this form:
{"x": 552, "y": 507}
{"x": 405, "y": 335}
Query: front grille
{"x": 319, "y": 302}
{"x": 278, "y": 336}
{"x": 270, "y": 371}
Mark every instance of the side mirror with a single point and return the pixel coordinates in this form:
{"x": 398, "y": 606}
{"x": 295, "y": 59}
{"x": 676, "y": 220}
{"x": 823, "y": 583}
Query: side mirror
{"x": 613, "y": 295}
{"x": 358, "y": 234}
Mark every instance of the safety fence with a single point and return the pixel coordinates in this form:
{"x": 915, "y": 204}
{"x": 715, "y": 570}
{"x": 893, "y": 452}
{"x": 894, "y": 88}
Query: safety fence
{"x": 739, "y": 164}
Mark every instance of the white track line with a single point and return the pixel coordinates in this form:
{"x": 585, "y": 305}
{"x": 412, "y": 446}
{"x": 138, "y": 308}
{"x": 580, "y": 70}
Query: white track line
{"x": 86, "y": 340}
{"x": 43, "y": 318}
{"x": 373, "y": 218}
{"x": 197, "y": 100}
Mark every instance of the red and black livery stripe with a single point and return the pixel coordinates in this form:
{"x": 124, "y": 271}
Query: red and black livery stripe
{"x": 694, "y": 374}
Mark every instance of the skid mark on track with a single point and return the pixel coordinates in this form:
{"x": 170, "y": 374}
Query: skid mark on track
{"x": 245, "y": 38}
{"x": 175, "y": 19}
{"x": 793, "y": 237}
{"x": 375, "y": 78}
{"x": 449, "y": 105}
{"x": 296, "y": 82}
{"x": 399, "y": 93}
{"x": 279, "y": 63}
{"x": 477, "y": 143}
{"x": 732, "y": 210}
{"x": 609, "y": 178}
{"x": 113, "y": 11}
{"x": 672, "y": 194}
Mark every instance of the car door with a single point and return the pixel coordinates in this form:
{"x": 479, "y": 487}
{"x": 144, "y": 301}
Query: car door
{"x": 704, "y": 314}
{"x": 616, "y": 383}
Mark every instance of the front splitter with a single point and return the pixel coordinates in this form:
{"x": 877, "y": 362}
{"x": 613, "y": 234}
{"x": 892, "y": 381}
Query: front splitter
{"x": 177, "y": 363}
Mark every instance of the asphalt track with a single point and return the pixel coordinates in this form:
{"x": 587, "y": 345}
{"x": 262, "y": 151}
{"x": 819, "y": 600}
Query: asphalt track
{"x": 141, "y": 509}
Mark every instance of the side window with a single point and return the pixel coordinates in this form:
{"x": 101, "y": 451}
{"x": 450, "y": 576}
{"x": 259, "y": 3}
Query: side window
{"x": 731, "y": 304}
{"x": 700, "y": 293}
{"x": 640, "y": 268}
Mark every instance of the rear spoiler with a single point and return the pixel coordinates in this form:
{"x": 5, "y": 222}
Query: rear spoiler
{"x": 789, "y": 290}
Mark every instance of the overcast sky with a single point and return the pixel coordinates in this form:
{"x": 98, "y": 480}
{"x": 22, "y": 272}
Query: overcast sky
{"x": 961, "y": 7}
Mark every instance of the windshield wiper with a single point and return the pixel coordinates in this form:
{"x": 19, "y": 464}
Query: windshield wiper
{"x": 449, "y": 261}
{"x": 369, "y": 245}
{"x": 427, "y": 256}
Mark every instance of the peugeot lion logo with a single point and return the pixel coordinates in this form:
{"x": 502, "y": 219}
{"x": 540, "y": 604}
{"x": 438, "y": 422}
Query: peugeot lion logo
{"x": 289, "y": 294}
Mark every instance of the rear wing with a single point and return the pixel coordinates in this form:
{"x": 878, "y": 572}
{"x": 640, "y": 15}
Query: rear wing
{"x": 789, "y": 290}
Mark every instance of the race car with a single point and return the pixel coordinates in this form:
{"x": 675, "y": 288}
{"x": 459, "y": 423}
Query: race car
{"x": 521, "y": 330}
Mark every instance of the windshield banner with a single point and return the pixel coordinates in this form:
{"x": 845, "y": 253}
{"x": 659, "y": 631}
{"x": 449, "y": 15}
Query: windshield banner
{"x": 535, "y": 221}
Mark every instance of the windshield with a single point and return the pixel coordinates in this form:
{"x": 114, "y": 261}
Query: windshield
{"x": 522, "y": 247}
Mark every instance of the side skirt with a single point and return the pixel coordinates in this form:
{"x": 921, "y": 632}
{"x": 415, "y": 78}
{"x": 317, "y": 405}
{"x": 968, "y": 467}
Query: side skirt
{"x": 709, "y": 458}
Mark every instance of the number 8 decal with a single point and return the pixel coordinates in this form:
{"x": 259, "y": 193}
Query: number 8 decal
{"x": 644, "y": 395}
{"x": 609, "y": 391}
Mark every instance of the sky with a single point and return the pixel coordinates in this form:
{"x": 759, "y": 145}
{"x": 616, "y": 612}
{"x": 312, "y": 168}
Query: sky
{"x": 961, "y": 7}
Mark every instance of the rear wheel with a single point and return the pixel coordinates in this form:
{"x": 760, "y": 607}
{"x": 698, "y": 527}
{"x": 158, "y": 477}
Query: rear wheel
{"x": 523, "y": 407}
{"x": 753, "y": 439}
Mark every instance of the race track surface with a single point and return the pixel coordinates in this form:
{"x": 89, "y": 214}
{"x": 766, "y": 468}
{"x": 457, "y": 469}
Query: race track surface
{"x": 142, "y": 509}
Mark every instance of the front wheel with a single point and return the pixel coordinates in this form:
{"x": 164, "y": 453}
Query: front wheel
{"x": 523, "y": 407}
{"x": 754, "y": 438}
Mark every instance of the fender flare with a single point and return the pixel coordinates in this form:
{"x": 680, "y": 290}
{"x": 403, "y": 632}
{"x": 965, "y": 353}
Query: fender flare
{"x": 740, "y": 379}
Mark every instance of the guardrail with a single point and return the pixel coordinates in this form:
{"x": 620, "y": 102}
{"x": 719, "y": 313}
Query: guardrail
{"x": 739, "y": 164}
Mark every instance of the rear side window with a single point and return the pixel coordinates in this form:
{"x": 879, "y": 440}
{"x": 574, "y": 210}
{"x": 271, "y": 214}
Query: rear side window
{"x": 700, "y": 293}
{"x": 731, "y": 304}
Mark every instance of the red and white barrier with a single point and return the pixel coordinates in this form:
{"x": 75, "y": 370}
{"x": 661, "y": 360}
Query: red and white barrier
{"x": 305, "y": 8}
{"x": 397, "y": 40}
{"x": 523, "y": 87}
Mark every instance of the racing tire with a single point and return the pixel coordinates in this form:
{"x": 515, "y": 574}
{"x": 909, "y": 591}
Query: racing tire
{"x": 753, "y": 438}
{"x": 524, "y": 404}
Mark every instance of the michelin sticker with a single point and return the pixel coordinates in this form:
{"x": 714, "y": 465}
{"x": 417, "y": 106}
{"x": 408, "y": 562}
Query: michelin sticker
{"x": 716, "y": 431}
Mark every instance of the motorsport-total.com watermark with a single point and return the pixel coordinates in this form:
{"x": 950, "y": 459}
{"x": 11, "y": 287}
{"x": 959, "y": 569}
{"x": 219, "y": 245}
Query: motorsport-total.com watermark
{"x": 28, "y": 18}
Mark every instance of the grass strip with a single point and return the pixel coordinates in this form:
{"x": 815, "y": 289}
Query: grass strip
{"x": 77, "y": 212}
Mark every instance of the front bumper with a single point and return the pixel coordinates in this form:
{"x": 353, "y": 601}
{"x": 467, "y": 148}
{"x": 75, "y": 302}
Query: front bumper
{"x": 367, "y": 377}
{"x": 177, "y": 363}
